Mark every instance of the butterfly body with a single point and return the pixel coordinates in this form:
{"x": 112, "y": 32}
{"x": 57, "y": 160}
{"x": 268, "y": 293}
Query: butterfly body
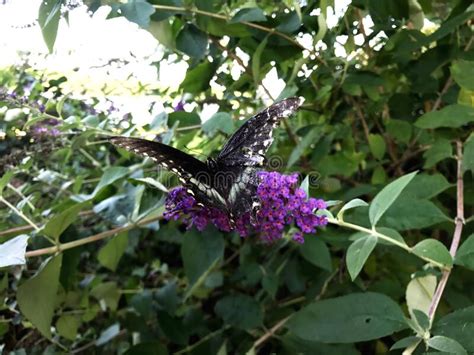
{"x": 228, "y": 182}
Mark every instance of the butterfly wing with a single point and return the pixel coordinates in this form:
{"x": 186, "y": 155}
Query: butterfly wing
{"x": 193, "y": 173}
{"x": 247, "y": 146}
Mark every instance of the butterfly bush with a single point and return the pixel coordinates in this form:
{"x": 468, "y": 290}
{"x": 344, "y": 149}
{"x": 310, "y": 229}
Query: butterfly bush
{"x": 282, "y": 204}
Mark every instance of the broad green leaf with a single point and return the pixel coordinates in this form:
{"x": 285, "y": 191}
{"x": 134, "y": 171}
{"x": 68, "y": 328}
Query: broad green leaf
{"x": 184, "y": 119}
{"x": 108, "y": 293}
{"x": 296, "y": 345}
{"x": 67, "y": 326}
{"x": 400, "y": 130}
{"x": 377, "y": 145}
{"x": 110, "y": 254}
{"x": 36, "y": 297}
{"x": 440, "y": 150}
{"x": 200, "y": 253}
{"x": 352, "y": 318}
{"x": 220, "y": 121}
{"x": 357, "y": 254}
{"x": 315, "y": 251}
{"x": 449, "y": 116}
{"x": 240, "y": 311}
{"x": 197, "y": 79}
{"x": 468, "y": 155}
{"x": 311, "y": 138}
{"x": 257, "y": 77}
{"x": 48, "y": 19}
{"x": 392, "y": 234}
{"x": 5, "y": 179}
{"x": 463, "y": 73}
{"x": 465, "y": 253}
{"x": 111, "y": 175}
{"x": 253, "y": 14}
{"x": 12, "y": 252}
{"x": 289, "y": 23}
{"x": 379, "y": 176}
{"x": 458, "y": 325}
{"x": 424, "y": 186}
{"x": 408, "y": 213}
{"x": 387, "y": 196}
{"x": 59, "y": 222}
{"x": 192, "y": 41}
{"x": 446, "y": 344}
{"x": 435, "y": 250}
{"x": 419, "y": 293}
{"x": 138, "y": 11}
{"x": 357, "y": 202}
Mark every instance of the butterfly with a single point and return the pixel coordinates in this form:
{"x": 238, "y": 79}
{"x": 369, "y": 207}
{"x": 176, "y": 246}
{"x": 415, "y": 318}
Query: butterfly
{"x": 228, "y": 182}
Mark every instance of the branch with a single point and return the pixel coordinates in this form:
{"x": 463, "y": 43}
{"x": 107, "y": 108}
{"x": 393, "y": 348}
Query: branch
{"x": 91, "y": 239}
{"x": 457, "y": 232}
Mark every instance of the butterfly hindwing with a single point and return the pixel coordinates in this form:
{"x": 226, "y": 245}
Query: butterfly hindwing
{"x": 247, "y": 146}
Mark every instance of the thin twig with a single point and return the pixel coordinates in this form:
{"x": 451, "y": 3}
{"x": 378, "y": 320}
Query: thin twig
{"x": 457, "y": 232}
{"x": 19, "y": 213}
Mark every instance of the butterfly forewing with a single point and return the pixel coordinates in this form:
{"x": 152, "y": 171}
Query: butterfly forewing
{"x": 247, "y": 146}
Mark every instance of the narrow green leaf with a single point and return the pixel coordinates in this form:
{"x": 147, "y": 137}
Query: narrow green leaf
{"x": 37, "y": 296}
{"x": 406, "y": 342}
{"x": 468, "y": 155}
{"x": 311, "y": 138}
{"x": 315, "y": 251}
{"x": 48, "y": 19}
{"x": 446, "y": 344}
{"x": 240, "y": 311}
{"x": 5, "y": 179}
{"x": 58, "y": 223}
{"x": 348, "y": 319}
{"x": 449, "y": 116}
{"x": 387, "y": 196}
{"x": 110, "y": 254}
{"x": 253, "y": 14}
{"x": 465, "y": 254}
{"x": 435, "y": 250}
{"x": 256, "y": 61}
{"x": 152, "y": 182}
{"x": 358, "y": 252}
{"x": 357, "y": 202}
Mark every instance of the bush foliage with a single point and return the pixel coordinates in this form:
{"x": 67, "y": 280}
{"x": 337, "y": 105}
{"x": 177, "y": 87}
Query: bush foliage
{"x": 385, "y": 135}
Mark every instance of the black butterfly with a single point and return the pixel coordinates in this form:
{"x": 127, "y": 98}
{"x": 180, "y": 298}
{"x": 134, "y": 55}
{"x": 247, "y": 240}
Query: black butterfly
{"x": 228, "y": 182}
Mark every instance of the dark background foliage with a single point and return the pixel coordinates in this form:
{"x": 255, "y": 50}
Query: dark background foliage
{"x": 104, "y": 273}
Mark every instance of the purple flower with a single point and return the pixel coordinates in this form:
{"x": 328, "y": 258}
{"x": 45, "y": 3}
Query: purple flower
{"x": 179, "y": 106}
{"x": 282, "y": 204}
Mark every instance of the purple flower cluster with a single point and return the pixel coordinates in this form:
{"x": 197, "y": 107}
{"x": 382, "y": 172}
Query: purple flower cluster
{"x": 46, "y": 129}
{"x": 14, "y": 99}
{"x": 282, "y": 204}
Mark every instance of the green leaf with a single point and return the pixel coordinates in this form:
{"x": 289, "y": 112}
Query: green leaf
{"x": 108, "y": 293}
{"x": 449, "y": 116}
{"x": 465, "y": 254}
{"x": 458, "y": 325}
{"x": 440, "y": 150}
{"x": 184, "y": 118}
{"x": 406, "y": 342}
{"x": 111, "y": 175}
{"x": 5, "y": 179}
{"x": 67, "y": 326}
{"x": 58, "y": 223}
{"x": 358, "y": 252}
{"x": 357, "y": 202}
{"x": 37, "y": 296}
{"x": 192, "y": 41}
{"x": 220, "y": 121}
{"x": 315, "y": 251}
{"x": 462, "y": 72}
{"x": 197, "y": 79}
{"x": 12, "y": 252}
{"x": 348, "y": 319}
{"x": 392, "y": 234}
{"x": 419, "y": 293}
{"x": 435, "y": 250}
{"x": 377, "y": 145}
{"x": 446, "y": 344}
{"x": 48, "y": 19}
{"x": 138, "y": 11}
{"x": 400, "y": 130}
{"x": 240, "y": 311}
{"x": 148, "y": 348}
{"x": 257, "y": 77}
{"x": 160, "y": 14}
{"x": 311, "y": 138}
{"x": 200, "y": 253}
{"x": 253, "y": 14}
{"x": 387, "y": 196}
{"x": 110, "y": 254}
{"x": 424, "y": 186}
{"x": 467, "y": 160}
{"x": 152, "y": 182}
